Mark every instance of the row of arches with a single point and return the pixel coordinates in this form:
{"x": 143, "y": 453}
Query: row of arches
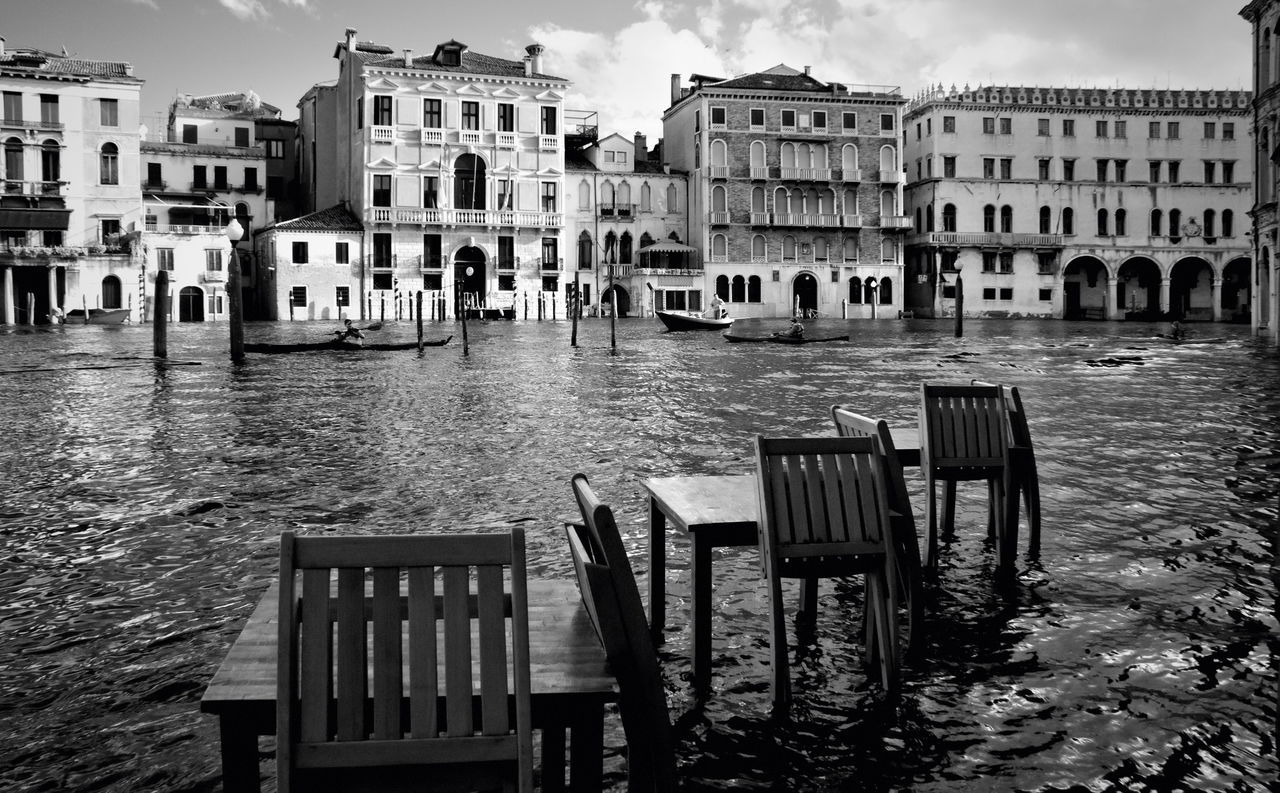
{"x": 746, "y": 289}
{"x": 820, "y": 249}
{"x": 1188, "y": 288}
{"x": 621, "y": 195}
{"x": 1109, "y": 222}
{"x": 15, "y": 169}
{"x": 803, "y": 155}
{"x": 613, "y": 248}
{"x": 803, "y": 201}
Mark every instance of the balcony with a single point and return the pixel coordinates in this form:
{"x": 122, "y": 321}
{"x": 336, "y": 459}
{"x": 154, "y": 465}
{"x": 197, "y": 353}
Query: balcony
{"x": 989, "y": 239}
{"x": 548, "y": 143}
{"x": 852, "y": 221}
{"x": 719, "y": 258}
{"x": 185, "y": 230}
{"x": 18, "y": 187}
{"x": 719, "y": 171}
{"x": 159, "y": 186}
{"x": 806, "y": 174}
{"x": 759, "y": 218}
{"x": 382, "y": 134}
{"x": 470, "y": 137}
{"x": 214, "y": 276}
{"x": 551, "y": 267}
{"x": 758, "y": 172}
{"x": 18, "y": 123}
{"x": 895, "y": 222}
{"x": 505, "y": 140}
{"x": 429, "y": 265}
{"x": 851, "y": 175}
{"x": 719, "y": 218}
{"x": 890, "y": 177}
{"x": 432, "y": 137}
{"x": 464, "y": 217}
{"x": 623, "y": 212}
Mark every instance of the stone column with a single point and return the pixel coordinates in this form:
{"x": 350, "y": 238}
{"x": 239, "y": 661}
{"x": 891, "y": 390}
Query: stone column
{"x": 1215, "y": 297}
{"x": 53, "y": 289}
{"x": 8, "y": 296}
{"x": 1164, "y": 294}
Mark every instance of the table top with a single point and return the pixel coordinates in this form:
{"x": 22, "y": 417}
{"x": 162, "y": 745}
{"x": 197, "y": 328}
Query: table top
{"x": 565, "y": 656}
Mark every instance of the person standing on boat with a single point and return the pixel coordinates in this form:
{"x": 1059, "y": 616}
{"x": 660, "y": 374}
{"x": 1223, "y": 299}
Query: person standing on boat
{"x": 350, "y": 335}
{"x": 716, "y": 310}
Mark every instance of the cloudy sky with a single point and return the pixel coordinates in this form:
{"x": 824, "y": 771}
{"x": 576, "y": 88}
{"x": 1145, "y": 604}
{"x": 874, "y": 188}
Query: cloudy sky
{"x": 620, "y": 54}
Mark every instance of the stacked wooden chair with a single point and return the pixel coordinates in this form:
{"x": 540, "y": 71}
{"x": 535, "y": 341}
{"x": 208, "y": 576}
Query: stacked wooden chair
{"x": 446, "y": 608}
{"x": 613, "y": 603}
{"x": 1024, "y": 477}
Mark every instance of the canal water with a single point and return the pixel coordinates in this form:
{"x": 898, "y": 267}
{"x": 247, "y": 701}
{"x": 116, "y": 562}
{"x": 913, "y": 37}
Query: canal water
{"x": 141, "y": 507}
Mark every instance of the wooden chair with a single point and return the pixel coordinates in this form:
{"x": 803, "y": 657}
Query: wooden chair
{"x": 906, "y": 543}
{"x": 964, "y": 437}
{"x": 824, "y": 513}
{"x": 613, "y": 602}
{"x": 340, "y": 639}
{"x": 1025, "y": 478}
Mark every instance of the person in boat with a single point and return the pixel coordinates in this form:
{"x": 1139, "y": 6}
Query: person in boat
{"x": 716, "y": 309}
{"x": 1177, "y": 332}
{"x": 350, "y": 334}
{"x": 796, "y": 330}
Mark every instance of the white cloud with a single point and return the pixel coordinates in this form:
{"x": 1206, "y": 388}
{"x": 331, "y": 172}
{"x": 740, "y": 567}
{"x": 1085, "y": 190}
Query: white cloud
{"x": 245, "y": 10}
{"x": 147, "y": 3}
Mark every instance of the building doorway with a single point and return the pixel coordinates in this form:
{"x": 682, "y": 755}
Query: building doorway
{"x": 622, "y": 303}
{"x": 191, "y": 304}
{"x": 469, "y": 288}
{"x": 805, "y": 295}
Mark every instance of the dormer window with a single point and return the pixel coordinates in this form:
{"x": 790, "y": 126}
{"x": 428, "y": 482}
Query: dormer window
{"x": 450, "y": 58}
{"x": 449, "y": 53}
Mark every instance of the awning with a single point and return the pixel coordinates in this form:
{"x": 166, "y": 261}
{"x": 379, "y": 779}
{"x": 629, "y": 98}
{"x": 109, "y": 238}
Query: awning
{"x": 23, "y": 219}
{"x": 667, "y": 247}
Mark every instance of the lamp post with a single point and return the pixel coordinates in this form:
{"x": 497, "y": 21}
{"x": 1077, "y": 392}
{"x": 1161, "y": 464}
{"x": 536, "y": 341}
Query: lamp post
{"x": 959, "y": 303}
{"x": 234, "y": 232}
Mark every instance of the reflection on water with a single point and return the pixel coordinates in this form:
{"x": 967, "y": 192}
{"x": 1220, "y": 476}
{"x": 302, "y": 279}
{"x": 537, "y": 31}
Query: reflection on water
{"x": 141, "y": 508}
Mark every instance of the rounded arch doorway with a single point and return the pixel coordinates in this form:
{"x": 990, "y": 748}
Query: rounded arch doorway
{"x": 469, "y": 278}
{"x": 622, "y": 304}
{"x": 804, "y": 294}
{"x": 191, "y": 304}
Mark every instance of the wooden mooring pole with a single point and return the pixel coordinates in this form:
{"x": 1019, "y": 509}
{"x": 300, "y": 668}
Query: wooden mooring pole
{"x": 574, "y": 339}
{"x": 959, "y": 307}
{"x": 160, "y": 322}
{"x": 419, "y": 307}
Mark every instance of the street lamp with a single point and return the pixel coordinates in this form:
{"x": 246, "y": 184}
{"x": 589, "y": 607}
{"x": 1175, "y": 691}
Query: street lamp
{"x": 234, "y": 232}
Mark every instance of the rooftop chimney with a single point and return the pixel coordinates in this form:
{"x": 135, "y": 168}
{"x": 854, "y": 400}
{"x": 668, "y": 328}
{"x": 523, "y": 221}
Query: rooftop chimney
{"x": 528, "y": 66}
{"x": 351, "y": 39}
{"x": 408, "y": 57}
{"x": 535, "y": 57}
{"x": 806, "y": 71}
{"x": 1, "y": 45}
{"x": 675, "y": 88}
{"x": 642, "y": 148}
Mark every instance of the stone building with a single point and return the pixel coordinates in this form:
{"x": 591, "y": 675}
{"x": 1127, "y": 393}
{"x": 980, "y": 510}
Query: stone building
{"x": 1079, "y": 202}
{"x": 453, "y": 162}
{"x": 795, "y": 191}
{"x": 71, "y": 207}
{"x": 1264, "y": 17}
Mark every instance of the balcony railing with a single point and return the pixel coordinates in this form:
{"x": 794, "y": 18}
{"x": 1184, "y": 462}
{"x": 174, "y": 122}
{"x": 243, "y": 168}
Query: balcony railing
{"x": 19, "y": 123}
{"x": 719, "y": 258}
{"x": 505, "y": 140}
{"x": 548, "y": 143}
{"x": 851, "y": 221}
{"x": 992, "y": 239}
{"x": 432, "y": 136}
{"x": 719, "y": 171}
{"x": 214, "y": 276}
{"x": 551, "y": 267}
{"x": 890, "y": 177}
{"x": 760, "y": 218}
{"x": 895, "y": 222}
{"x": 470, "y": 137}
{"x": 624, "y": 212}
{"x": 382, "y": 134}
{"x": 807, "y": 174}
{"x": 184, "y": 229}
{"x": 759, "y": 172}
{"x": 851, "y": 175}
{"x": 719, "y": 218}
{"x": 464, "y": 217}
{"x": 19, "y": 187}
{"x": 159, "y": 185}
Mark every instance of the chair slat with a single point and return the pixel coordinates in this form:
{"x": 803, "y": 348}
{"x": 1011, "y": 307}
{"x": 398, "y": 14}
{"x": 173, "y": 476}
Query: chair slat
{"x": 316, "y": 679}
{"x": 352, "y": 678}
{"x": 388, "y": 681}
{"x": 493, "y": 651}
{"x": 457, "y": 654}
{"x": 799, "y": 510}
{"x": 781, "y": 508}
{"x": 837, "y": 529}
{"x": 423, "y": 683}
{"x": 813, "y": 477}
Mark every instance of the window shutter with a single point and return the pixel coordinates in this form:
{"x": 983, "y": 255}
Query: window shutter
{"x": 527, "y": 118}
{"x": 408, "y": 111}
{"x": 528, "y": 195}
{"x": 408, "y": 192}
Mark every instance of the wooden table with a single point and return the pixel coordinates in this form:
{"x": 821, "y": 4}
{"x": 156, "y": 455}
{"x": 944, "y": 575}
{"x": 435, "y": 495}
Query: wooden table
{"x": 715, "y": 511}
{"x": 570, "y": 685}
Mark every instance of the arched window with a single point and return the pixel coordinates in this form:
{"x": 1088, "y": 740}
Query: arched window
{"x": 610, "y": 249}
{"x": 827, "y": 202}
{"x": 888, "y": 159}
{"x": 888, "y": 203}
{"x": 584, "y": 195}
{"x": 719, "y": 199}
{"x": 851, "y": 248}
{"x": 50, "y": 161}
{"x": 624, "y": 195}
{"x": 886, "y": 292}
{"x": 646, "y": 198}
{"x": 1120, "y": 218}
{"x": 1046, "y": 220}
{"x": 1102, "y": 223}
{"x": 788, "y": 248}
{"x": 780, "y": 200}
{"x": 585, "y": 250}
{"x": 851, "y": 201}
{"x": 919, "y": 218}
{"x": 1227, "y": 221}
{"x": 949, "y": 217}
{"x": 13, "y": 170}
{"x": 112, "y": 294}
{"x": 753, "y": 289}
{"x": 820, "y": 253}
{"x": 869, "y": 291}
{"x": 818, "y": 157}
{"x": 989, "y": 218}
{"x": 888, "y": 249}
{"x": 1068, "y": 220}
{"x": 758, "y": 205}
{"x": 645, "y": 240}
{"x": 1157, "y": 223}
{"x": 606, "y": 196}
{"x": 849, "y": 162}
{"x": 1175, "y": 224}
{"x": 757, "y": 154}
{"x": 796, "y": 202}
{"x": 109, "y": 165}
{"x": 719, "y": 152}
{"x": 787, "y": 155}
{"x": 722, "y": 287}
{"x": 739, "y": 290}
{"x": 1264, "y": 60}
{"x": 855, "y": 290}
{"x": 1006, "y": 219}
{"x": 1210, "y": 223}
{"x": 758, "y": 249}
{"x": 719, "y": 248}
{"x": 624, "y": 248}
{"x": 673, "y": 205}
{"x": 697, "y": 155}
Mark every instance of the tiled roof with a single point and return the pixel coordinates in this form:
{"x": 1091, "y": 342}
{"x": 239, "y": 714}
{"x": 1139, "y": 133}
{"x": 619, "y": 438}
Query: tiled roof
{"x": 39, "y": 62}
{"x": 335, "y": 218}
{"x": 776, "y": 79}
{"x": 575, "y": 160}
{"x": 471, "y": 63}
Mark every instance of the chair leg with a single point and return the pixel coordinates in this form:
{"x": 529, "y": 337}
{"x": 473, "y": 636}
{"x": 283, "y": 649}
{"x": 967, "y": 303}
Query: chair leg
{"x": 808, "y": 613}
{"x": 931, "y": 518}
{"x": 1031, "y": 493}
{"x": 949, "y": 509}
{"x": 992, "y": 514}
{"x": 780, "y": 683}
{"x": 1008, "y": 488}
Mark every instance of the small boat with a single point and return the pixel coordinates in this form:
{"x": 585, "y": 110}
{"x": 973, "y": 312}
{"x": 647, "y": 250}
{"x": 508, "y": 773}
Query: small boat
{"x": 779, "y": 338}
{"x": 1189, "y": 339}
{"x": 99, "y": 316}
{"x": 333, "y": 345}
{"x": 693, "y": 320}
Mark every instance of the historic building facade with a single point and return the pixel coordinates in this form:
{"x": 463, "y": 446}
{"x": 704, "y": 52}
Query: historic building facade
{"x": 1264, "y": 17}
{"x": 795, "y": 191}
{"x": 1079, "y": 203}
{"x": 70, "y": 208}
{"x": 454, "y": 164}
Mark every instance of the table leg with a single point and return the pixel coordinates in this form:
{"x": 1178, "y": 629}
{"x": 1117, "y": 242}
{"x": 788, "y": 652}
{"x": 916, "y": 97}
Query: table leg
{"x": 700, "y": 624}
{"x": 657, "y": 570}
{"x": 553, "y": 758}
{"x": 586, "y": 762}
{"x": 239, "y": 755}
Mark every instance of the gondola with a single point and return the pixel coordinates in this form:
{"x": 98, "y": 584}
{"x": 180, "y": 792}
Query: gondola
{"x": 693, "y": 320}
{"x": 339, "y": 346}
{"x": 782, "y": 339}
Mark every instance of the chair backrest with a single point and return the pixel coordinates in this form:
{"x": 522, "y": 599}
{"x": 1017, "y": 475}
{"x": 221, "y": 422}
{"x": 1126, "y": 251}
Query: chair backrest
{"x": 853, "y": 425}
{"x": 962, "y": 426}
{"x": 613, "y": 603}
{"x": 1019, "y": 431}
{"x": 450, "y": 610}
{"x": 823, "y": 505}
